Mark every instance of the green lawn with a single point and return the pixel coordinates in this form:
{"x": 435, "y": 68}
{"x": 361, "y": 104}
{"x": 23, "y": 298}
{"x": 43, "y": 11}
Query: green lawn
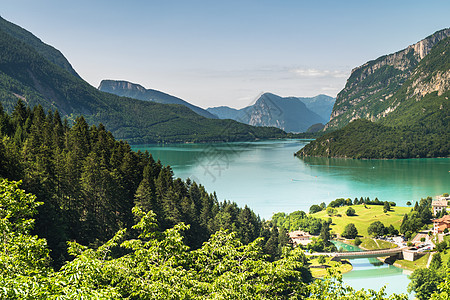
{"x": 371, "y": 244}
{"x": 445, "y": 256}
{"x": 364, "y": 217}
{"x": 320, "y": 272}
{"x": 412, "y": 265}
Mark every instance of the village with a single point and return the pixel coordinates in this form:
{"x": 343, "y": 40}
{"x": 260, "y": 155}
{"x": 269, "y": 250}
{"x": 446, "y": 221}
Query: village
{"x": 389, "y": 248}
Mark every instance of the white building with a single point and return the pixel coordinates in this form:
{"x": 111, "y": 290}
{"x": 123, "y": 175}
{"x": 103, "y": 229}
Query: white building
{"x": 300, "y": 237}
{"x": 439, "y": 205}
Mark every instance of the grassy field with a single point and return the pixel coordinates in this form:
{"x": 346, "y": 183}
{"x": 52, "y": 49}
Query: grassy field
{"x": 412, "y": 265}
{"x": 364, "y": 217}
{"x": 320, "y": 272}
{"x": 371, "y": 244}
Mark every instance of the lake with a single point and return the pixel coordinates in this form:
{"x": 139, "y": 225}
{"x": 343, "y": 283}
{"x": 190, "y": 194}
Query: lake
{"x": 267, "y": 177}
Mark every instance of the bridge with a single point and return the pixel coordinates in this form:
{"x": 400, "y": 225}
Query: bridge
{"x": 364, "y": 254}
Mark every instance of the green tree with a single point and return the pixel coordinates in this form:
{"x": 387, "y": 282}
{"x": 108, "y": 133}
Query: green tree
{"x": 325, "y": 232}
{"x": 314, "y": 209}
{"x": 386, "y": 206}
{"x": 350, "y": 211}
{"x": 424, "y": 282}
{"x": 350, "y": 231}
{"x": 376, "y": 229}
{"x": 321, "y": 259}
{"x": 331, "y": 211}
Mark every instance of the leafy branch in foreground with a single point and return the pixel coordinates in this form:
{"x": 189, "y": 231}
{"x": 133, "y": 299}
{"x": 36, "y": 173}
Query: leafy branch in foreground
{"x": 155, "y": 265}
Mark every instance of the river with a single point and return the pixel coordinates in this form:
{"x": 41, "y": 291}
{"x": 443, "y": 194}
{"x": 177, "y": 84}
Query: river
{"x": 374, "y": 274}
{"x": 267, "y": 177}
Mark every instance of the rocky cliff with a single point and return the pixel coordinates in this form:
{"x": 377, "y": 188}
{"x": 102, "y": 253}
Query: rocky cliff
{"x": 369, "y": 91}
{"x": 411, "y": 123}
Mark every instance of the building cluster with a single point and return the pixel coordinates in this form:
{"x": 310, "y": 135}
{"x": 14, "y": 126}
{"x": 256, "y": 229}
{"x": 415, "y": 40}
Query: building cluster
{"x": 441, "y": 224}
{"x": 299, "y": 237}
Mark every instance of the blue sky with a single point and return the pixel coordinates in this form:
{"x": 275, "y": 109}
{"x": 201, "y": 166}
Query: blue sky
{"x": 213, "y": 53}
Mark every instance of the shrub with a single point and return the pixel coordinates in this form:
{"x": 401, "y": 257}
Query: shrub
{"x": 350, "y": 211}
{"x": 350, "y": 231}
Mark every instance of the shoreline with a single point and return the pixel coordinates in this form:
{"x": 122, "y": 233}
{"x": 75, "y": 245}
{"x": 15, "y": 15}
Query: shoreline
{"x": 383, "y": 259}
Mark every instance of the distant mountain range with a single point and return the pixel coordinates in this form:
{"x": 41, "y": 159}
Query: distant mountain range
{"x": 292, "y": 114}
{"x": 405, "y": 94}
{"x": 38, "y": 74}
{"x": 136, "y": 91}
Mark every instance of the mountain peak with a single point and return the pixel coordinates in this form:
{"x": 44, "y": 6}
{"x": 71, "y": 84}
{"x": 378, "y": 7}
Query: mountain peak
{"x": 133, "y": 90}
{"x": 370, "y": 86}
{"x": 292, "y": 114}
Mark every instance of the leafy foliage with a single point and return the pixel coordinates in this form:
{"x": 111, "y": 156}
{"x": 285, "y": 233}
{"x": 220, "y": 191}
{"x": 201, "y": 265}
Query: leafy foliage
{"x": 88, "y": 182}
{"x": 298, "y": 220}
{"x": 350, "y": 231}
{"x": 419, "y": 216}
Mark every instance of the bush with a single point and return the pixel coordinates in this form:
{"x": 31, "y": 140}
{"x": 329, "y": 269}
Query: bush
{"x": 331, "y": 211}
{"x": 314, "y": 209}
{"x": 350, "y": 231}
{"x": 357, "y": 241}
{"x": 441, "y": 246}
{"x": 377, "y": 229}
{"x": 321, "y": 259}
{"x": 350, "y": 211}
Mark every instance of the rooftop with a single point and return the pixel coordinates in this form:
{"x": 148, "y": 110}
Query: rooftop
{"x": 439, "y": 203}
{"x": 444, "y": 219}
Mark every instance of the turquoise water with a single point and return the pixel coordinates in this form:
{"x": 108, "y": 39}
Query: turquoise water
{"x": 371, "y": 273}
{"x": 266, "y": 176}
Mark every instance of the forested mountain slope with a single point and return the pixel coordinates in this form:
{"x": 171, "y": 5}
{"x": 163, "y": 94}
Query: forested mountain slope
{"x": 369, "y": 91}
{"x": 50, "y": 53}
{"x": 89, "y": 182}
{"x": 26, "y": 74}
{"x": 417, "y": 124}
{"x": 136, "y": 91}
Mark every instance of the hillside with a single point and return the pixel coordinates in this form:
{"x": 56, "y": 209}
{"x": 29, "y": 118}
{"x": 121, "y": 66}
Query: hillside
{"x": 27, "y": 75}
{"x": 50, "y": 53}
{"x": 136, "y": 91}
{"x": 288, "y": 113}
{"x": 320, "y": 104}
{"x": 369, "y": 90}
{"x": 415, "y": 123}
{"x": 364, "y": 217}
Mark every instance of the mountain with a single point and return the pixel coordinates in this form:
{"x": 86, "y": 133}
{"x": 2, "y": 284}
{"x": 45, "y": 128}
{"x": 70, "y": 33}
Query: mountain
{"x": 414, "y": 120}
{"x": 50, "y": 53}
{"x": 224, "y": 112}
{"x": 289, "y": 113}
{"x": 136, "y": 91}
{"x": 320, "y": 104}
{"x": 30, "y": 76}
{"x": 369, "y": 91}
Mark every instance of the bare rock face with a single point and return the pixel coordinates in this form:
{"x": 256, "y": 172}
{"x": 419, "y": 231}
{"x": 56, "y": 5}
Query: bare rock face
{"x": 369, "y": 90}
{"x": 291, "y": 114}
